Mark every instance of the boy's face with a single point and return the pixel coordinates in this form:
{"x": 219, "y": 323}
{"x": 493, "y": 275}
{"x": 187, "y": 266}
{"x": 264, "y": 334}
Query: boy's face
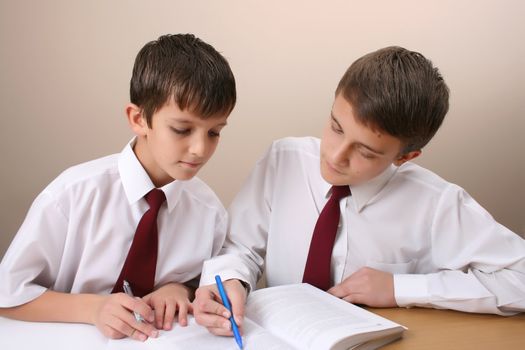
{"x": 178, "y": 143}
{"x": 352, "y": 153}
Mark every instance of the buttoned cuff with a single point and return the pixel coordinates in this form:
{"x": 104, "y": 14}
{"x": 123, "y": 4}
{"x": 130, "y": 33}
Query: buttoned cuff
{"x": 207, "y": 279}
{"x": 411, "y": 289}
{"x": 221, "y": 265}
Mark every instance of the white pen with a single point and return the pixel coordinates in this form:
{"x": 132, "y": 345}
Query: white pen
{"x": 127, "y": 290}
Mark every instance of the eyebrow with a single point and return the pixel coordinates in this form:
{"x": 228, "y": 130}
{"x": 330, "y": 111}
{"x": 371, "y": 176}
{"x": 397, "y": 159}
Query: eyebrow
{"x": 360, "y": 144}
{"x": 184, "y": 121}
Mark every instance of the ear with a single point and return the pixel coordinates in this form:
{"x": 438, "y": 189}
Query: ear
{"x": 406, "y": 157}
{"x": 136, "y": 121}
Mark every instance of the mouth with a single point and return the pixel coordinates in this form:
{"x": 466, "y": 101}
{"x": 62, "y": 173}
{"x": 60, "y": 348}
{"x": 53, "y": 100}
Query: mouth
{"x": 333, "y": 169}
{"x": 192, "y": 165}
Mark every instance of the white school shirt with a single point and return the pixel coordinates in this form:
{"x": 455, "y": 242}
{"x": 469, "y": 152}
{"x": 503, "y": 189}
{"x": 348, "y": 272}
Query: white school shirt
{"x": 78, "y": 231}
{"x": 443, "y": 248}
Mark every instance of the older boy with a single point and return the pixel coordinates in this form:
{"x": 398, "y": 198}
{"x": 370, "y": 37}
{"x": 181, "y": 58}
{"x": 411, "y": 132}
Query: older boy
{"x": 406, "y": 236}
{"x": 80, "y": 239}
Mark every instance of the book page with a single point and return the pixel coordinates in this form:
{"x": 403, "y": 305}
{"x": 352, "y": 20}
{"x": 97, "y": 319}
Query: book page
{"x": 196, "y": 337}
{"x": 309, "y": 318}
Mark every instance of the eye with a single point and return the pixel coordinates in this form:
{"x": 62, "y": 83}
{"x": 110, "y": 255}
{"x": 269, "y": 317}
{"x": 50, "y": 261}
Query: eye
{"x": 336, "y": 128}
{"x": 367, "y": 155}
{"x": 181, "y": 131}
{"x": 212, "y": 133}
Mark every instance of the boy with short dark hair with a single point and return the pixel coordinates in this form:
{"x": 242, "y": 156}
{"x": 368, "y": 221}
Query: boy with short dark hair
{"x": 391, "y": 234}
{"x": 86, "y": 233}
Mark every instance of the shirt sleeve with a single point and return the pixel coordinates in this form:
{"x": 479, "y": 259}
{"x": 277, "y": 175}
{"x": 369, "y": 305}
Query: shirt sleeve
{"x": 244, "y": 250}
{"x": 31, "y": 263}
{"x": 221, "y": 228}
{"x": 480, "y": 263}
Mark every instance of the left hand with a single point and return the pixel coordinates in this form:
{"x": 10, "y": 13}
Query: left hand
{"x": 367, "y": 286}
{"x": 166, "y": 301}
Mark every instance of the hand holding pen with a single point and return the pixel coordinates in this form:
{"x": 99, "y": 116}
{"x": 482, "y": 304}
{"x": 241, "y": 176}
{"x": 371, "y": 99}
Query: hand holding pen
{"x": 226, "y": 303}
{"x": 112, "y": 315}
{"x": 127, "y": 290}
{"x": 144, "y": 329}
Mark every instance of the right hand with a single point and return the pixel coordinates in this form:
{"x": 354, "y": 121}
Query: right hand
{"x": 114, "y": 317}
{"x": 209, "y": 311}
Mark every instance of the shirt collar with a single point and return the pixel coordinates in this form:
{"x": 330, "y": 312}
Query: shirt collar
{"x": 136, "y": 181}
{"x": 363, "y": 193}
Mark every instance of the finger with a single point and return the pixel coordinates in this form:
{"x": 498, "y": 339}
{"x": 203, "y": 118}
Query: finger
{"x": 159, "y": 314}
{"x": 183, "y": 315}
{"x": 146, "y": 328}
{"x": 137, "y": 335}
{"x": 237, "y": 296}
{"x": 138, "y": 305}
{"x": 356, "y": 298}
{"x": 338, "y": 291}
{"x": 213, "y": 321}
{"x": 129, "y": 320}
{"x": 211, "y": 306}
{"x": 169, "y": 315}
{"x": 349, "y": 298}
{"x": 221, "y": 331}
{"x": 121, "y": 324}
{"x": 112, "y": 333}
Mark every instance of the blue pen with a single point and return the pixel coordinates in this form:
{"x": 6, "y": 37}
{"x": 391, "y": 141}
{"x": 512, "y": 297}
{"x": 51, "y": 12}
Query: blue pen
{"x": 226, "y": 303}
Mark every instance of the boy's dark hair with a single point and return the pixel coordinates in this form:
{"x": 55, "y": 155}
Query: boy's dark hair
{"x": 185, "y": 68}
{"x": 397, "y": 91}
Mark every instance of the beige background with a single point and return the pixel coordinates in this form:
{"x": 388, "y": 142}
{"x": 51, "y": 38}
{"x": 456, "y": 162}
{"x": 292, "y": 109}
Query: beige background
{"x": 65, "y": 68}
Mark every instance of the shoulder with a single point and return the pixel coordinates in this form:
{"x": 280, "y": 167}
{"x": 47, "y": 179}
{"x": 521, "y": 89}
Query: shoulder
{"x": 289, "y": 158}
{"x": 200, "y": 195}
{"x": 297, "y": 144}
{"x": 296, "y": 148}
{"x": 423, "y": 183}
{"x": 415, "y": 175}
{"x": 91, "y": 173}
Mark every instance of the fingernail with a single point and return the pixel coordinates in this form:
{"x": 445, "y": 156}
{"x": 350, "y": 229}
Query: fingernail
{"x": 226, "y": 314}
{"x": 226, "y": 325}
{"x": 238, "y": 320}
{"x": 155, "y": 334}
{"x": 167, "y": 326}
{"x": 142, "y": 337}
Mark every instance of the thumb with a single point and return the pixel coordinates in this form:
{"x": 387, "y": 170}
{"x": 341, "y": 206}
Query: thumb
{"x": 237, "y": 296}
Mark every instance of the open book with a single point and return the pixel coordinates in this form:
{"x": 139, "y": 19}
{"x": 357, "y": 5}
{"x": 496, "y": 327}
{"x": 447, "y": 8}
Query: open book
{"x": 296, "y": 316}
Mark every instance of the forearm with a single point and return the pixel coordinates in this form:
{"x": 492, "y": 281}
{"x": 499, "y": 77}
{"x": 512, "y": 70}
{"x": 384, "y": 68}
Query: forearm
{"x": 57, "y": 307}
{"x": 469, "y": 292}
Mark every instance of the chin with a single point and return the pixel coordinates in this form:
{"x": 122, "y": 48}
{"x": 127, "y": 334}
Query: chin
{"x": 332, "y": 178}
{"x": 185, "y": 177}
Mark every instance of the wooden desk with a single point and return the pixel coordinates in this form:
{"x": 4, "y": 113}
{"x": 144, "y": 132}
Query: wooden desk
{"x": 444, "y": 329}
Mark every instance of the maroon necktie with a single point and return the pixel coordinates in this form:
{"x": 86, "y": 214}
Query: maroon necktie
{"x": 141, "y": 262}
{"x": 317, "y": 269}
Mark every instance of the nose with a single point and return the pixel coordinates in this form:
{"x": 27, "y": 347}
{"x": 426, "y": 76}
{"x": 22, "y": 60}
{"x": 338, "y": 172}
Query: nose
{"x": 341, "y": 155}
{"x": 199, "y": 146}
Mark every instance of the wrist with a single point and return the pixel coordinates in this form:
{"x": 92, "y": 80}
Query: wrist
{"x": 246, "y": 286}
{"x": 90, "y": 307}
